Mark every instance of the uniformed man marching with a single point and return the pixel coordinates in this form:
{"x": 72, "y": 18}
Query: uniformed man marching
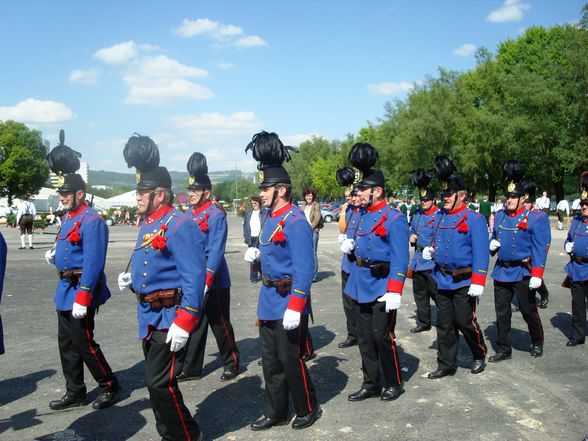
{"x": 286, "y": 253}
{"x": 79, "y": 255}
{"x": 460, "y": 252}
{"x": 521, "y": 238}
{"x": 212, "y": 221}
{"x": 168, "y": 278}
{"x": 380, "y": 250}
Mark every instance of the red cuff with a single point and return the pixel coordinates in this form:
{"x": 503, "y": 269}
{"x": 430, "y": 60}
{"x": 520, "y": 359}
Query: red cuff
{"x": 185, "y": 320}
{"x": 395, "y": 286}
{"x": 537, "y": 272}
{"x": 209, "y": 279}
{"x": 478, "y": 279}
{"x": 84, "y": 298}
{"x": 296, "y": 304}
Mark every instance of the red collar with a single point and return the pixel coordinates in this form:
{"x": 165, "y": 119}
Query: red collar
{"x": 458, "y": 210}
{"x": 516, "y": 213}
{"x": 158, "y": 214}
{"x": 76, "y": 211}
{"x": 281, "y": 210}
{"x": 201, "y": 208}
{"x": 431, "y": 210}
{"x": 377, "y": 206}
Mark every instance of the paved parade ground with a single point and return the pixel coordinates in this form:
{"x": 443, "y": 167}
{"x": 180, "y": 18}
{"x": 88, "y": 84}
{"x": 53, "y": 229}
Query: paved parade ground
{"x": 518, "y": 399}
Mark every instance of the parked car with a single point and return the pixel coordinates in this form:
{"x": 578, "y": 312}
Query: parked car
{"x": 329, "y": 215}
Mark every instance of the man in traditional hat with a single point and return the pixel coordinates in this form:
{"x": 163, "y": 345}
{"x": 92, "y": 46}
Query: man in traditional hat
{"x": 3, "y": 255}
{"x": 520, "y": 265}
{"x": 286, "y": 255}
{"x": 380, "y": 250}
{"x": 168, "y": 278}
{"x": 460, "y": 251}
{"x": 212, "y": 221}
{"x": 79, "y": 255}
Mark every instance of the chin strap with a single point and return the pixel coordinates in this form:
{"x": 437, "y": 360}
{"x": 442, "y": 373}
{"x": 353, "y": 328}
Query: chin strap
{"x": 274, "y": 197}
{"x": 149, "y": 210}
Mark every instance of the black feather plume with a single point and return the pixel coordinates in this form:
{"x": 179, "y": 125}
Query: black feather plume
{"x": 363, "y": 156}
{"x": 345, "y": 176}
{"x": 141, "y": 152}
{"x": 444, "y": 167}
{"x": 513, "y": 171}
{"x": 529, "y": 185}
{"x": 268, "y": 149}
{"x": 63, "y": 159}
{"x": 584, "y": 181}
{"x": 197, "y": 166}
{"x": 420, "y": 178}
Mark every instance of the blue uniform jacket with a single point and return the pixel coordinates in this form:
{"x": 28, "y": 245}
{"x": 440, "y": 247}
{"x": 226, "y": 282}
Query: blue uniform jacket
{"x": 285, "y": 243}
{"x": 352, "y": 215}
{"x": 522, "y": 234}
{"x": 212, "y": 221}
{"x": 381, "y": 237}
{"x": 422, "y": 225}
{"x": 175, "y": 261}
{"x": 81, "y": 243}
{"x": 578, "y": 234}
{"x": 460, "y": 239}
{"x": 3, "y": 254}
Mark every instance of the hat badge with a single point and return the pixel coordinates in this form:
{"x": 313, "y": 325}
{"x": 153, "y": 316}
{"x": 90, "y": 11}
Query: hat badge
{"x": 261, "y": 176}
{"x": 444, "y": 185}
{"x": 423, "y": 192}
{"x": 60, "y": 180}
{"x": 585, "y": 194}
{"x": 358, "y": 176}
{"x": 138, "y": 176}
{"x": 191, "y": 180}
{"x": 511, "y": 187}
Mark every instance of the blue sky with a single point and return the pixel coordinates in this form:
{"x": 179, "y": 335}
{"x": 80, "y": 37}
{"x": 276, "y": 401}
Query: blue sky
{"x": 206, "y": 75}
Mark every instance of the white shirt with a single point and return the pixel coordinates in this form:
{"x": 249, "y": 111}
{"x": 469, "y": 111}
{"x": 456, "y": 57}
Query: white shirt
{"x": 576, "y": 204}
{"x": 542, "y": 202}
{"x": 255, "y": 223}
{"x": 564, "y": 205}
{"x": 25, "y": 207}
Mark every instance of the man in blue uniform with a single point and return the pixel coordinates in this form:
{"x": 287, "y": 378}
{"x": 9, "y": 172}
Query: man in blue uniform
{"x": 521, "y": 238}
{"x": 3, "y": 255}
{"x": 168, "y": 279}
{"x": 212, "y": 221}
{"x": 79, "y": 255}
{"x": 576, "y": 245}
{"x": 421, "y": 235}
{"x": 460, "y": 252}
{"x": 380, "y": 249}
{"x": 286, "y": 256}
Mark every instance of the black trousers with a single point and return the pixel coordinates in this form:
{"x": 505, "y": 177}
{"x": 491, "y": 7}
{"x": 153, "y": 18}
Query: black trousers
{"x": 503, "y": 295}
{"x": 579, "y": 297}
{"x": 377, "y": 345}
{"x": 172, "y": 417}
{"x": 306, "y": 345}
{"x": 348, "y": 305}
{"x": 542, "y": 290}
{"x": 217, "y": 314}
{"x": 283, "y": 370}
{"x": 424, "y": 290}
{"x": 76, "y": 348}
{"x": 456, "y": 311}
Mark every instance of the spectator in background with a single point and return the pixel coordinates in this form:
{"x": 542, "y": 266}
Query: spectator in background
{"x": 251, "y": 229}
{"x": 543, "y": 203}
{"x": 576, "y": 207}
{"x": 563, "y": 211}
{"x": 485, "y": 209}
{"x": 312, "y": 211}
{"x": 24, "y": 219}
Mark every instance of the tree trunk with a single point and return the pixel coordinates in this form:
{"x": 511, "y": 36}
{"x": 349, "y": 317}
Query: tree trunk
{"x": 558, "y": 186}
{"x": 491, "y": 192}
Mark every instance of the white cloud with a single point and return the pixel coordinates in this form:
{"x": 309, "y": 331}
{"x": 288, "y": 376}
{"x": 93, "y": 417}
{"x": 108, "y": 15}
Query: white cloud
{"x": 88, "y": 77}
{"x": 162, "y": 66}
{"x": 215, "y": 125}
{"x": 251, "y": 41}
{"x": 385, "y": 88}
{"x": 224, "y": 34}
{"x": 37, "y": 112}
{"x": 296, "y": 140}
{"x": 226, "y": 66}
{"x": 119, "y": 53}
{"x": 465, "y": 50}
{"x": 511, "y": 10}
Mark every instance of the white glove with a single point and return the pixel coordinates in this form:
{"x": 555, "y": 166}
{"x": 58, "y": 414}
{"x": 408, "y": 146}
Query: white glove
{"x": 428, "y": 253}
{"x": 494, "y": 245}
{"x": 79, "y": 311}
{"x": 50, "y": 257}
{"x": 252, "y": 254}
{"x": 341, "y": 238}
{"x": 291, "y": 319}
{"x": 535, "y": 282}
{"x": 392, "y": 300}
{"x": 347, "y": 246}
{"x": 475, "y": 290}
{"x": 569, "y": 247}
{"x": 124, "y": 281}
{"x": 177, "y": 336}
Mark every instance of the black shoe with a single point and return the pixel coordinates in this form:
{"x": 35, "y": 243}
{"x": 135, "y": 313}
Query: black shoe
{"x": 515, "y": 309}
{"x": 575, "y": 342}
{"x": 264, "y": 423}
{"x": 229, "y": 374}
{"x": 536, "y": 351}
{"x": 362, "y": 394}
{"x": 350, "y": 341}
{"x": 302, "y": 422}
{"x": 478, "y": 366}
{"x": 21, "y": 248}
{"x": 391, "y": 393}
{"x": 420, "y": 328}
{"x": 543, "y": 303}
{"x": 185, "y": 377}
{"x": 31, "y": 248}
{"x": 67, "y": 401}
{"x": 500, "y": 356}
{"x": 307, "y": 357}
{"x": 440, "y": 373}
{"x": 105, "y": 399}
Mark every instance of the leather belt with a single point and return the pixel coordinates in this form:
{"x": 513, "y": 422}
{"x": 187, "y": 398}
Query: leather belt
{"x": 165, "y": 298}
{"x": 458, "y": 274}
{"x": 525, "y": 263}
{"x": 73, "y": 275}
{"x": 283, "y": 286}
{"x": 578, "y": 259}
{"x": 378, "y": 269}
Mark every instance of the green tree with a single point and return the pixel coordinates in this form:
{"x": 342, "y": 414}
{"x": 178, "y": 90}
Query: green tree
{"x": 323, "y": 172}
{"x": 23, "y": 169}
{"x": 240, "y": 189}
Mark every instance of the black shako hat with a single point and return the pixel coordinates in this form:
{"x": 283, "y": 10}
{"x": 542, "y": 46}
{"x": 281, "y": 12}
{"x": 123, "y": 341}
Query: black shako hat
{"x": 420, "y": 179}
{"x": 64, "y": 162}
{"x": 198, "y": 170}
{"x": 363, "y": 157}
{"x": 270, "y": 153}
{"x": 446, "y": 174}
{"x": 142, "y": 153}
{"x": 584, "y": 187}
{"x": 345, "y": 177}
{"x": 530, "y": 188}
{"x": 513, "y": 174}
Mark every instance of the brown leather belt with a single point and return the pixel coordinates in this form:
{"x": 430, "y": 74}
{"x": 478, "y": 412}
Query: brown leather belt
{"x": 283, "y": 286}
{"x": 579, "y": 259}
{"x": 165, "y": 298}
{"x": 458, "y": 274}
{"x": 378, "y": 269}
{"x": 73, "y": 275}
{"x": 525, "y": 263}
